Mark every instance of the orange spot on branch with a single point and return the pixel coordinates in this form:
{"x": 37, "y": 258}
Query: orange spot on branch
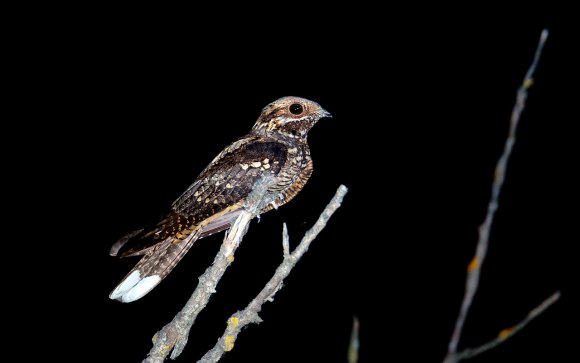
{"x": 504, "y": 334}
{"x": 473, "y": 265}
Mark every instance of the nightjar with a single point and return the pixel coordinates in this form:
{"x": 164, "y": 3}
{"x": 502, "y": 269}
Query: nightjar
{"x": 275, "y": 146}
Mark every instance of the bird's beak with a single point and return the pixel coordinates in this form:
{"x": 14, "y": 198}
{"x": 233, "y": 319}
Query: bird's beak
{"x": 323, "y": 113}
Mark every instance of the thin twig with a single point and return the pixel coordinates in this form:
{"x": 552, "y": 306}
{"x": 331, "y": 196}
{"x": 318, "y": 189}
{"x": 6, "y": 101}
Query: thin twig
{"x": 509, "y": 332}
{"x": 173, "y": 337}
{"x": 285, "y": 241}
{"x": 354, "y": 341}
{"x": 474, "y": 267}
{"x": 250, "y": 314}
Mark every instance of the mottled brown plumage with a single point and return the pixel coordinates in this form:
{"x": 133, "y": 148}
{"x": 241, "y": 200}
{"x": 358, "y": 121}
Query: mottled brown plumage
{"x": 275, "y": 146}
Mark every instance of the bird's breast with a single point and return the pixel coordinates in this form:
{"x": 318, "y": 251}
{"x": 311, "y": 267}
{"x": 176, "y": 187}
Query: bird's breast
{"x": 294, "y": 174}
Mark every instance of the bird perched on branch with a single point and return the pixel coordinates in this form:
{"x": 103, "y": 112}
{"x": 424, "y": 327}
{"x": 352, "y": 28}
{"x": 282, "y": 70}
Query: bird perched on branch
{"x": 275, "y": 146}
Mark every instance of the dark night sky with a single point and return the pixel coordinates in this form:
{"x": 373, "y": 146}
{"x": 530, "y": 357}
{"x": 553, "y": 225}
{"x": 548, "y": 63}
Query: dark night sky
{"x": 420, "y": 116}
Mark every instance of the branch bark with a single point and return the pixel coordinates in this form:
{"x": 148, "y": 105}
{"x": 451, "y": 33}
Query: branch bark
{"x": 354, "y": 345}
{"x": 474, "y": 267}
{"x": 509, "y": 332}
{"x": 250, "y": 314}
{"x": 173, "y": 337}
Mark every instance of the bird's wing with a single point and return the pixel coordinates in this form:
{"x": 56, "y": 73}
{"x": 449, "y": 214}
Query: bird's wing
{"x": 224, "y": 184}
{"x": 210, "y": 205}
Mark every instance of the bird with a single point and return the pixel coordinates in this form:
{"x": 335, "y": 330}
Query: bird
{"x": 276, "y": 146}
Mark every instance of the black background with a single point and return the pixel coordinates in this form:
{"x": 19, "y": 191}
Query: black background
{"x": 131, "y": 112}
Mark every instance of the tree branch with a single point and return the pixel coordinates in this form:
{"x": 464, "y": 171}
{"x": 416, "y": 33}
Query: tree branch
{"x": 474, "y": 267}
{"x": 509, "y": 332}
{"x": 354, "y": 344}
{"x": 250, "y": 314}
{"x": 173, "y": 337}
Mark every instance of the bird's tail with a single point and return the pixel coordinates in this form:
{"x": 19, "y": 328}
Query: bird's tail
{"x": 156, "y": 263}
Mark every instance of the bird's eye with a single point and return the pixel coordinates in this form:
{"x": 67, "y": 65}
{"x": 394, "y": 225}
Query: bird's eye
{"x": 296, "y": 109}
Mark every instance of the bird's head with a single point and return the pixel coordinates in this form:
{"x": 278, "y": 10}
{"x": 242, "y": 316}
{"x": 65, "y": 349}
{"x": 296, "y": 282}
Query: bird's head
{"x": 290, "y": 116}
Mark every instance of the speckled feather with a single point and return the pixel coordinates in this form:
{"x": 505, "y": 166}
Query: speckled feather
{"x": 276, "y": 146}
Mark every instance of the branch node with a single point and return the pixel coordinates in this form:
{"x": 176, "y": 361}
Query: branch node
{"x": 256, "y": 319}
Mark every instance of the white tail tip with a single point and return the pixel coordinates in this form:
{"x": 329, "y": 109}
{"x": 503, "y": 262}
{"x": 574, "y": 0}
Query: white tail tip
{"x": 133, "y": 287}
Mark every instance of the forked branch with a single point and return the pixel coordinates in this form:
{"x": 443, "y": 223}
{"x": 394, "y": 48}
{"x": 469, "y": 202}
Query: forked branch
{"x": 474, "y": 267}
{"x": 173, "y": 337}
{"x": 250, "y": 314}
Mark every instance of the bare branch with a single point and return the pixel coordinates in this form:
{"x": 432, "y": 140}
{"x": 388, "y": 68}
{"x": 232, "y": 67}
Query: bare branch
{"x": 509, "y": 332}
{"x": 173, "y": 337}
{"x": 474, "y": 267}
{"x": 354, "y": 341}
{"x": 250, "y": 314}
{"x": 285, "y": 241}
